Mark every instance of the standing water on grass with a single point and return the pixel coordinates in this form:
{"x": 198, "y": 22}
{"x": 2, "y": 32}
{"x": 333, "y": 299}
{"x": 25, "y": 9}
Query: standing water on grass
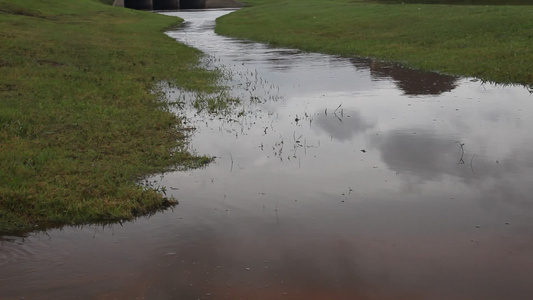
{"x": 334, "y": 179}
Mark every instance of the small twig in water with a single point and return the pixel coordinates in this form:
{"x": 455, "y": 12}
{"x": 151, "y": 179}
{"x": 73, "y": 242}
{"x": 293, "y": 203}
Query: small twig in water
{"x": 471, "y": 166}
{"x": 461, "y": 161}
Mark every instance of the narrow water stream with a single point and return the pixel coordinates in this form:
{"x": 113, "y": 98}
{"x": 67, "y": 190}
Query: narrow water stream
{"x": 334, "y": 179}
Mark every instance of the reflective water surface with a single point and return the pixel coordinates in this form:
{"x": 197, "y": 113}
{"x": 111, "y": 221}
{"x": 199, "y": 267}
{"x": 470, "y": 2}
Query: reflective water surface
{"x": 334, "y": 179}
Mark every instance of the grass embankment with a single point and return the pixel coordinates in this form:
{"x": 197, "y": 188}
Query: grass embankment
{"x": 460, "y": 2}
{"x": 494, "y": 43}
{"x": 78, "y": 124}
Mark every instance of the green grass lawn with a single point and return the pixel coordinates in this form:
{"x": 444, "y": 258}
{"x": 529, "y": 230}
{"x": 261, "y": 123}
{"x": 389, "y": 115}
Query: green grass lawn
{"x": 494, "y": 43}
{"x": 78, "y": 123}
{"x": 461, "y": 2}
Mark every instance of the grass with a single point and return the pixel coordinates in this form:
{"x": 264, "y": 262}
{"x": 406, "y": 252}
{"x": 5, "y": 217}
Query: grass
{"x": 79, "y": 125}
{"x": 463, "y": 2}
{"x": 494, "y": 43}
{"x": 108, "y": 2}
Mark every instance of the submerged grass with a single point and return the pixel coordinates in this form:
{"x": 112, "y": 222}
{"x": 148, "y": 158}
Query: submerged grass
{"x": 79, "y": 123}
{"x": 494, "y": 43}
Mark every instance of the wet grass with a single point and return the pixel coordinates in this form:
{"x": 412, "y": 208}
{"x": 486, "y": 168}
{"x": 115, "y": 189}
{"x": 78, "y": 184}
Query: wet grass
{"x": 493, "y": 43}
{"x": 80, "y": 123}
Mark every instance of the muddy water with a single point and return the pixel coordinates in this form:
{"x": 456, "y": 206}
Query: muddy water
{"x": 334, "y": 179}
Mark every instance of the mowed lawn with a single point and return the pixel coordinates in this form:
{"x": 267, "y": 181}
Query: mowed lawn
{"x": 492, "y": 42}
{"x": 79, "y": 123}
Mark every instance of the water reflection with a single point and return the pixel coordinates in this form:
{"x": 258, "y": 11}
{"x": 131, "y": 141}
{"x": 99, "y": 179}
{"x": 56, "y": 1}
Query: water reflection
{"x": 340, "y": 125}
{"x": 412, "y": 82}
{"x": 422, "y": 159}
{"x": 327, "y": 184}
{"x": 422, "y": 153}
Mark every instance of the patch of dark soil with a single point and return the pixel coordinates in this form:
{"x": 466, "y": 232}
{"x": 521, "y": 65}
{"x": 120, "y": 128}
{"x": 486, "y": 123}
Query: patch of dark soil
{"x": 7, "y": 87}
{"x": 14, "y": 9}
{"x": 49, "y": 63}
{"x": 5, "y": 63}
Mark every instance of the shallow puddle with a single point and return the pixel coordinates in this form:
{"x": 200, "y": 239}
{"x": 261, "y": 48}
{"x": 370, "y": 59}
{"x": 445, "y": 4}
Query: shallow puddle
{"x": 334, "y": 179}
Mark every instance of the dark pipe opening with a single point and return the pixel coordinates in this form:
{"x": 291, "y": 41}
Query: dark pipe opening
{"x": 166, "y": 4}
{"x": 138, "y": 4}
{"x": 192, "y": 4}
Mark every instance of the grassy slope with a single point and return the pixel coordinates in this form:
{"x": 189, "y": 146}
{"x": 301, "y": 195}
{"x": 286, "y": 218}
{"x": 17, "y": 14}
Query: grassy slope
{"x": 78, "y": 125}
{"x": 467, "y": 2}
{"x": 491, "y": 42}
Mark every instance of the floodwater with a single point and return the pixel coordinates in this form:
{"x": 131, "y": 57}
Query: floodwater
{"x": 334, "y": 179}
